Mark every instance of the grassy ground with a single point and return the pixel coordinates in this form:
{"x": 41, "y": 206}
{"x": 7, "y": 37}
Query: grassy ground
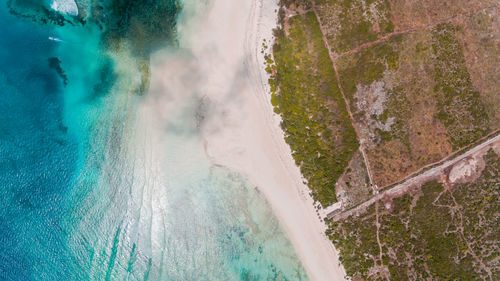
{"x": 410, "y": 14}
{"x": 460, "y": 107}
{"x": 437, "y": 233}
{"x": 480, "y": 40}
{"x": 306, "y": 95}
{"x": 350, "y": 23}
{"x": 413, "y": 101}
{"x": 416, "y": 97}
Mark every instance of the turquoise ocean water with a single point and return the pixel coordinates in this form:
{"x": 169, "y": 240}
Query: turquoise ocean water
{"x": 88, "y": 191}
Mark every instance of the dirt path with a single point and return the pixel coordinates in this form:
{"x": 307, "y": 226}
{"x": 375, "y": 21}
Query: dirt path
{"x": 454, "y": 154}
{"x": 348, "y": 106}
{"x": 334, "y": 57}
{"x": 377, "y": 224}
{"x": 416, "y": 181}
{"x": 400, "y": 32}
{"x": 467, "y": 242}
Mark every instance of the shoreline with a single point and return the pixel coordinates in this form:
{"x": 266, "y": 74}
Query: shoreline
{"x": 250, "y": 139}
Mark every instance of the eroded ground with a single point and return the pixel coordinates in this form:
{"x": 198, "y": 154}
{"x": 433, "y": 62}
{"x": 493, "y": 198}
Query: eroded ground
{"x": 354, "y": 185}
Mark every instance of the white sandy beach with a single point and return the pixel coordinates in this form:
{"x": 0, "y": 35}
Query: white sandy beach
{"x": 241, "y": 131}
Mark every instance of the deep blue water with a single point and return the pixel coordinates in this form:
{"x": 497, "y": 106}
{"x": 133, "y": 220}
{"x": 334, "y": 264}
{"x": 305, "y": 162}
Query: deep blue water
{"x": 86, "y": 190}
{"x": 37, "y": 155}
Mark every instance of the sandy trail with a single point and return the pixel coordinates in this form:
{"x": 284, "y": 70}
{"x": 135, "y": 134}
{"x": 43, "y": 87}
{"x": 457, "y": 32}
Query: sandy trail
{"x": 434, "y": 173}
{"x": 241, "y": 131}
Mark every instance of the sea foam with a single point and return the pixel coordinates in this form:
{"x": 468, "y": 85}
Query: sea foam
{"x": 65, "y": 6}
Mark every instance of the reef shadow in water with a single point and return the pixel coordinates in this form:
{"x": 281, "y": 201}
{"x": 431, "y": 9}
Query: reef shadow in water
{"x": 143, "y": 26}
{"x": 37, "y": 11}
{"x": 55, "y": 64}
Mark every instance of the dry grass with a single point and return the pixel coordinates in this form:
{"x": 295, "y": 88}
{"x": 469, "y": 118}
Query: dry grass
{"x": 480, "y": 39}
{"x": 413, "y": 101}
{"x": 409, "y": 14}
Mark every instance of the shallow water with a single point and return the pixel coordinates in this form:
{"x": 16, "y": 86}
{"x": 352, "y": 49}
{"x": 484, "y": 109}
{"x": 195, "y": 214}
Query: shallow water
{"x": 96, "y": 182}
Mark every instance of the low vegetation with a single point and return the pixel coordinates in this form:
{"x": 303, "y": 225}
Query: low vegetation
{"x": 306, "y": 95}
{"x": 459, "y": 104}
{"x": 350, "y": 23}
{"x": 480, "y": 38}
{"x": 413, "y": 101}
{"x": 416, "y": 96}
{"x": 411, "y": 14}
{"x": 438, "y": 233}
